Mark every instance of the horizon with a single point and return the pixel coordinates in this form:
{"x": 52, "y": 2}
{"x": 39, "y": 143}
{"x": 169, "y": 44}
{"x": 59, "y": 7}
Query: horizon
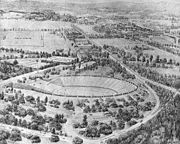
{"x": 100, "y": 1}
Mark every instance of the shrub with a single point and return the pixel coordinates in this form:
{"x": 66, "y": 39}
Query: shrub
{"x": 77, "y": 140}
{"x": 54, "y": 138}
{"x": 15, "y": 135}
{"x": 4, "y": 135}
{"x": 3, "y": 142}
{"x": 35, "y": 139}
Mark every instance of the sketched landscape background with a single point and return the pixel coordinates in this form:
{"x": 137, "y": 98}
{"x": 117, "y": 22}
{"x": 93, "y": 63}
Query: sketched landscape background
{"x": 89, "y": 71}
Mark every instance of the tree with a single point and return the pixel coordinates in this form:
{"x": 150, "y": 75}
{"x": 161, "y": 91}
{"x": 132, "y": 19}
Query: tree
{"x": 34, "y": 126}
{"x": 157, "y": 59}
{"x": 105, "y": 129}
{"x": 85, "y": 123}
{"x": 22, "y": 100}
{"x": 143, "y": 59}
{"x": 30, "y": 99}
{"x": 91, "y": 131}
{"x": 94, "y": 123}
{"x": 30, "y": 112}
{"x": 164, "y": 60}
{"x": 15, "y": 135}
{"x": 54, "y": 138}
{"x": 35, "y": 139}
{"x": 121, "y": 124}
{"x": 77, "y": 140}
{"x": 3, "y": 142}
{"x": 15, "y": 62}
{"x": 15, "y": 122}
{"x": 87, "y": 109}
{"x": 56, "y": 118}
{"x": 2, "y": 96}
{"x": 21, "y": 112}
{"x": 151, "y": 58}
{"x": 4, "y": 134}
{"x": 19, "y": 122}
{"x": 170, "y": 62}
{"x": 24, "y": 123}
{"x": 46, "y": 99}
{"x": 53, "y": 131}
{"x": 16, "y": 96}
{"x": 38, "y": 99}
{"x": 58, "y": 126}
{"x": 79, "y": 65}
{"x": 147, "y": 63}
{"x": 41, "y": 107}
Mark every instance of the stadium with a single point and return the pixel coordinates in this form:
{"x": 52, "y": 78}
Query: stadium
{"x": 89, "y": 86}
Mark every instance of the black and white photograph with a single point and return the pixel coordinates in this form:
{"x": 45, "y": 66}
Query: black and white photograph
{"x": 89, "y": 71}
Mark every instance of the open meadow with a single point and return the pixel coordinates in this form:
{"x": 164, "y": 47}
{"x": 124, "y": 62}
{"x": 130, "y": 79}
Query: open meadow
{"x": 32, "y": 35}
{"x": 88, "y": 29}
{"x": 117, "y": 42}
{"x": 32, "y": 40}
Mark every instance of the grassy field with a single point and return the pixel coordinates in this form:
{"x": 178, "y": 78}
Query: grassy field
{"x": 103, "y": 71}
{"x": 32, "y": 40}
{"x": 28, "y": 35}
{"x": 163, "y": 39}
{"x": 87, "y": 28}
{"x": 169, "y": 71}
{"x": 162, "y": 54}
{"x": 32, "y": 25}
{"x": 29, "y": 62}
{"x": 22, "y": 38}
{"x": 120, "y": 43}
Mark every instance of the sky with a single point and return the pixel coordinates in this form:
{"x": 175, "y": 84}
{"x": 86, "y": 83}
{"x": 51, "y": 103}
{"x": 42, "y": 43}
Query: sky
{"x": 101, "y": 1}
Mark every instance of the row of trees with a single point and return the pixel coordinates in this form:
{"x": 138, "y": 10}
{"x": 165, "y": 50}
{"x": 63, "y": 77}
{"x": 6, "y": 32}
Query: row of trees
{"x": 151, "y": 74}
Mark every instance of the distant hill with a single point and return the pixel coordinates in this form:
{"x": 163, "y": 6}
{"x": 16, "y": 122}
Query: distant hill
{"x": 143, "y": 6}
{"x": 25, "y": 5}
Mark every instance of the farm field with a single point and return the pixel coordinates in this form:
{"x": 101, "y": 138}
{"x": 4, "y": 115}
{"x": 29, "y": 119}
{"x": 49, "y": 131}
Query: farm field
{"x": 120, "y": 42}
{"x": 169, "y": 71}
{"x": 100, "y": 71}
{"x": 32, "y": 25}
{"x": 32, "y": 40}
{"x": 87, "y": 28}
{"x": 11, "y": 15}
{"x": 53, "y": 42}
{"x": 22, "y": 38}
{"x": 60, "y": 59}
{"x": 162, "y": 39}
{"x": 32, "y": 35}
{"x": 162, "y": 54}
